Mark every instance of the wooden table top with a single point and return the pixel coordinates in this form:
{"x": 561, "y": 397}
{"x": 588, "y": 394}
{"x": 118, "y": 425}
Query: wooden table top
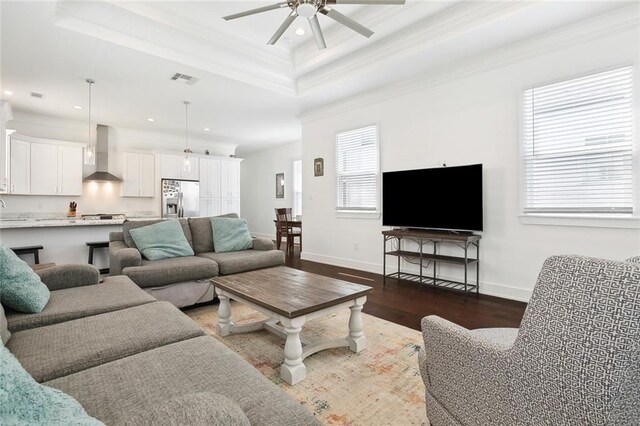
{"x": 290, "y": 292}
{"x": 294, "y": 223}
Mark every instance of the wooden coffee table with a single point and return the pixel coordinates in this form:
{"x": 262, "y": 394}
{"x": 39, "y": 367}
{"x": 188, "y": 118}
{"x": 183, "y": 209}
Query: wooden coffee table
{"x": 290, "y": 298}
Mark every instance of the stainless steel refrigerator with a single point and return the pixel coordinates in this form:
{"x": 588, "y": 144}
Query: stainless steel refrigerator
{"x": 180, "y": 198}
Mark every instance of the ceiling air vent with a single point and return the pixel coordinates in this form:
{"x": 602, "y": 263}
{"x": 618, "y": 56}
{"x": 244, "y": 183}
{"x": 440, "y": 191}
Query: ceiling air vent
{"x": 37, "y": 95}
{"x": 184, "y": 79}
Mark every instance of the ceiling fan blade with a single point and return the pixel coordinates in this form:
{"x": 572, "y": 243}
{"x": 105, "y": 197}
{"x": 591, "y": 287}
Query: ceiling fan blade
{"x": 372, "y": 2}
{"x": 317, "y": 32}
{"x": 348, "y": 22}
{"x": 287, "y": 22}
{"x": 254, "y": 11}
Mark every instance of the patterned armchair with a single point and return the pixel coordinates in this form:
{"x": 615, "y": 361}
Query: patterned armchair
{"x": 574, "y": 360}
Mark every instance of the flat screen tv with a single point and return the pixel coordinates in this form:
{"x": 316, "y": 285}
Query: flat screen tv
{"x": 448, "y": 198}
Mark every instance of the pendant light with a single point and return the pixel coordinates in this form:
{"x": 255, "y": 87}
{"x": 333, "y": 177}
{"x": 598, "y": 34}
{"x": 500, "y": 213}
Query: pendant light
{"x": 187, "y": 160}
{"x": 90, "y": 148}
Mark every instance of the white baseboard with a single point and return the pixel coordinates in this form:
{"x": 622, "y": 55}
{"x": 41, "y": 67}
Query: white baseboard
{"x": 488, "y": 288}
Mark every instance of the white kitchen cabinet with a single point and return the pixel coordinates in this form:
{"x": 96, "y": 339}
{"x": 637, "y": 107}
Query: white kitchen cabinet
{"x": 55, "y": 169}
{"x": 210, "y": 207}
{"x": 209, "y": 178}
{"x": 230, "y": 179}
{"x": 172, "y": 167}
{"x": 138, "y": 172}
{"x": 69, "y": 170}
{"x": 19, "y": 166}
{"x": 230, "y": 205}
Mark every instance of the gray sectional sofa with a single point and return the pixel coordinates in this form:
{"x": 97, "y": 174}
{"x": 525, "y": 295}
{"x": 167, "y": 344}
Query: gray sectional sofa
{"x": 130, "y": 359}
{"x": 184, "y": 281}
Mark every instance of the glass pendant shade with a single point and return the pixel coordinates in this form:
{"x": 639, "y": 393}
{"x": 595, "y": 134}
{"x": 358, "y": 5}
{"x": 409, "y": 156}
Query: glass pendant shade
{"x": 90, "y": 155}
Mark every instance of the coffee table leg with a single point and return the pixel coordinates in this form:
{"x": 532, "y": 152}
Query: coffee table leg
{"x": 357, "y": 341}
{"x": 223, "y": 327}
{"x": 293, "y": 370}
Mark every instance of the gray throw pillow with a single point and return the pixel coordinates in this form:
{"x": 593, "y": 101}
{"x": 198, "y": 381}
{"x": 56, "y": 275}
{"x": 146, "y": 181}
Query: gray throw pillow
{"x": 4, "y": 331}
{"x": 203, "y": 234}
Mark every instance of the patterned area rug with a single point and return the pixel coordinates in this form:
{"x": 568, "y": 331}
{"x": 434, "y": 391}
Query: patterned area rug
{"x": 379, "y": 386}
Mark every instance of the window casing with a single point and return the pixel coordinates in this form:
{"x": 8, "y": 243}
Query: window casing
{"x": 578, "y": 145}
{"x": 357, "y": 170}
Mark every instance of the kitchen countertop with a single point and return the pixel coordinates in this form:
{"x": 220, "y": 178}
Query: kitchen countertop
{"x": 56, "y": 223}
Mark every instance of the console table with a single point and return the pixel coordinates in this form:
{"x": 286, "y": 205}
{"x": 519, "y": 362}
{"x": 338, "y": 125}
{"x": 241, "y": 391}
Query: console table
{"x": 426, "y": 255}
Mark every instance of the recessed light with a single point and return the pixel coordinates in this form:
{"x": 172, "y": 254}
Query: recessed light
{"x": 77, "y": 107}
{"x": 206, "y": 129}
{"x": 151, "y": 120}
{"x": 300, "y": 31}
{"x": 8, "y": 92}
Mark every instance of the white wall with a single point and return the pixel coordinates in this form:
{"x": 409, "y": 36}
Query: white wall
{"x": 473, "y": 118}
{"x": 101, "y": 197}
{"x": 258, "y": 183}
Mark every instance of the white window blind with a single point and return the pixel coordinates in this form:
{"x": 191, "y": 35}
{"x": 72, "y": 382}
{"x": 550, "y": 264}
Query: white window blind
{"x": 578, "y": 145}
{"x": 357, "y": 169}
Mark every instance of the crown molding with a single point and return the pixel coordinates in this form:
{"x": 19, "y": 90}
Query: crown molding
{"x": 618, "y": 21}
{"x": 88, "y": 18}
{"x": 425, "y": 34}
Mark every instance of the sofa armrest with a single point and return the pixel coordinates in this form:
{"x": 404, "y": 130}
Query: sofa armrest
{"x": 200, "y": 408}
{"x": 263, "y": 244}
{"x": 122, "y": 256}
{"x": 67, "y": 276}
{"x": 465, "y": 371}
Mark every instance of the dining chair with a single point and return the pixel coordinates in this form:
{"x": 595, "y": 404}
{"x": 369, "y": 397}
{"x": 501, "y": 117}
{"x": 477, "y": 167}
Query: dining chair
{"x": 286, "y": 226}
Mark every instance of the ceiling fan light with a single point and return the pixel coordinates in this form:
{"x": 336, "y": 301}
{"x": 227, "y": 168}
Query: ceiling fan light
{"x": 306, "y": 10}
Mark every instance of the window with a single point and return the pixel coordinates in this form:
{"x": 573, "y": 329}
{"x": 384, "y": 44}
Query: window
{"x": 357, "y": 174}
{"x": 297, "y": 189}
{"x": 578, "y": 145}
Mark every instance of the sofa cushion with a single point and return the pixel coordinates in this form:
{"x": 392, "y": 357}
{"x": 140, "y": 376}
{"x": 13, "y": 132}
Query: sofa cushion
{"x": 202, "y": 232}
{"x": 20, "y": 288}
{"x": 198, "y": 408}
{"x": 4, "y": 331}
{"x": 230, "y": 234}
{"x": 23, "y": 401}
{"x": 167, "y": 271}
{"x": 61, "y": 349}
{"x": 245, "y": 260}
{"x": 202, "y": 364}
{"x": 112, "y": 294}
{"x": 162, "y": 240}
{"x": 128, "y": 225}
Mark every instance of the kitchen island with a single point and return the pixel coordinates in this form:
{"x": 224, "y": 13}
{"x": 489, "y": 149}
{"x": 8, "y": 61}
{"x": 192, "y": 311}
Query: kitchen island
{"x": 64, "y": 240}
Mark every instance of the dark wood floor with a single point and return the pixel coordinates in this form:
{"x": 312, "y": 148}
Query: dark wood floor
{"x": 403, "y": 303}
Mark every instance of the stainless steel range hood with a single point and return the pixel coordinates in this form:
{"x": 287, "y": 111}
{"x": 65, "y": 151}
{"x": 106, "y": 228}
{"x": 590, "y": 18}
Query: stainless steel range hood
{"x": 102, "y": 158}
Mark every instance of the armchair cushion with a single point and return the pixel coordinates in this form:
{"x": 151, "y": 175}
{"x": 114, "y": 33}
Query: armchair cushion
{"x": 230, "y": 234}
{"x": 245, "y": 260}
{"x": 20, "y": 288}
{"x": 66, "y": 276}
{"x": 162, "y": 240}
{"x": 198, "y": 408}
{"x": 23, "y": 401}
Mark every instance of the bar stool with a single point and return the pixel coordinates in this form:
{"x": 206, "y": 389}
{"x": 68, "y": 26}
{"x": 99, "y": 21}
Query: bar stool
{"x": 34, "y": 250}
{"x": 94, "y": 245}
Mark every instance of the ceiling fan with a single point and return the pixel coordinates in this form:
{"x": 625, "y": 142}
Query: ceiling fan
{"x": 309, "y": 9}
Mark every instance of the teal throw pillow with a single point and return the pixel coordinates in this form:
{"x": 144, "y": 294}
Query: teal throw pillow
{"x": 23, "y": 401}
{"x": 20, "y": 288}
{"x": 162, "y": 240}
{"x": 230, "y": 234}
